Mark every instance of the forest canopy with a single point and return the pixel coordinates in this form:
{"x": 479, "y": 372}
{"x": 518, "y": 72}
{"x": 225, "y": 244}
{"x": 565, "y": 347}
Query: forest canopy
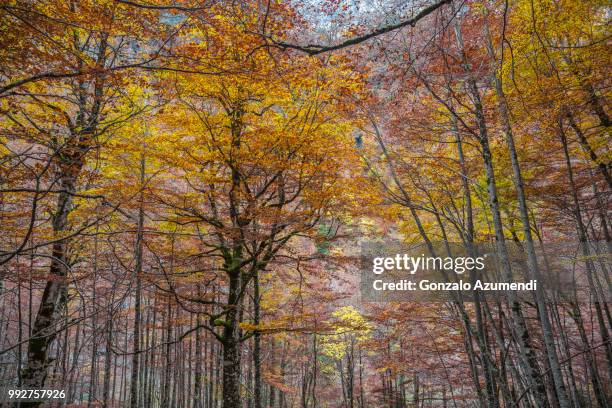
{"x": 186, "y": 185}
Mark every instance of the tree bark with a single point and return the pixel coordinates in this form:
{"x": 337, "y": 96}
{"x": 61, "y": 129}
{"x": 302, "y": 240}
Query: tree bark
{"x": 524, "y": 341}
{"x": 51, "y": 305}
{"x": 532, "y": 263}
{"x": 135, "y": 376}
{"x": 231, "y": 344}
{"x": 603, "y": 167}
{"x": 257, "y": 343}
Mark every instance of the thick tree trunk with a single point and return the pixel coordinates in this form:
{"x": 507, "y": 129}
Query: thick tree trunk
{"x": 71, "y": 158}
{"x": 231, "y": 374}
{"x": 51, "y": 304}
{"x": 93, "y": 370}
{"x": 596, "y": 381}
{"x": 231, "y": 344}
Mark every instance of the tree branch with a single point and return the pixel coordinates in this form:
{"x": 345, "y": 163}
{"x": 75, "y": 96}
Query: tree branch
{"x": 314, "y": 49}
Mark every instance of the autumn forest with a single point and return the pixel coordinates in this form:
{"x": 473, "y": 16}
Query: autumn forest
{"x": 185, "y": 186}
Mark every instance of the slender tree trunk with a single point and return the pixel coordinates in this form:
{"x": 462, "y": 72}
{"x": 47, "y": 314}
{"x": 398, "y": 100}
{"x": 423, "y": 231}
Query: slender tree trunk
{"x": 93, "y": 370}
{"x": 257, "y": 343}
{"x": 135, "y": 377}
{"x": 597, "y": 105}
{"x": 197, "y": 392}
{"x": 152, "y": 383}
{"x": 107, "y": 358}
{"x": 603, "y": 167}
{"x": 415, "y": 389}
{"x": 584, "y": 247}
{"x": 523, "y": 335}
{"x": 272, "y": 398}
{"x": 314, "y": 371}
{"x": 532, "y": 263}
{"x": 74, "y": 363}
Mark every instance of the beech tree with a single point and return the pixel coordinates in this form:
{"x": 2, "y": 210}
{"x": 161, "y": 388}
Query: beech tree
{"x": 186, "y": 186}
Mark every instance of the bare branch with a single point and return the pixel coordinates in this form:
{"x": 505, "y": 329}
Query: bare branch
{"x": 314, "y": 49}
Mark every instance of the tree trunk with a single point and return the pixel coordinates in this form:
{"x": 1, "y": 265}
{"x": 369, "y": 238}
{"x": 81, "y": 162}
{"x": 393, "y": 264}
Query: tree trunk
{"x": 197, "y": 398}
{"x": 135, "y": 377}
{"x": 603, "y": 167}
{"x": 257, "y": 342}
{"x": 107, "y": 359}
{"x": 231, "y": 344}
{"x": 531, "y": 365}
{"x": 532, "y": 263}
{"x": 51, "y": 304}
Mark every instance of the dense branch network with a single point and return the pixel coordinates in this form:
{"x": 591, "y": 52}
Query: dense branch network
{"x": 315, "y": 49}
